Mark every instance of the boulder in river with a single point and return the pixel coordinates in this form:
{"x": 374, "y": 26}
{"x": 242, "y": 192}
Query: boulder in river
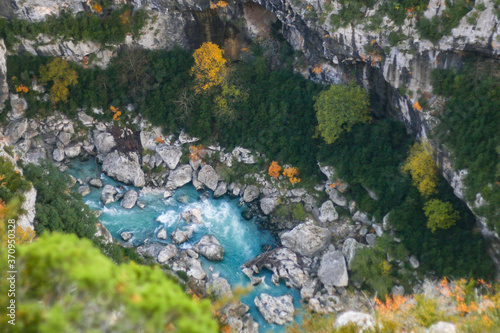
{"x": 209, "y": 247}
{"x": 181, "y": 236}
{"x": 129, "y": 199}
{"x": 276, "y": 310}
{"x": 126, "y": 235}
{"x": 167, "y": 253}
{"x": 107, "y": 194}
{"x": 193, "y": 215}
{"x": 84, "y": 190}
{"x": 96, "y": 182}
{"x": 220, "y": 190}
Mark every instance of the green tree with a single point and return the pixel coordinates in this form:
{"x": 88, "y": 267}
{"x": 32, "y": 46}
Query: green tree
{"x": 61, "y": 75}
{"x": 339, "y": 108}
{"x": 440, "y": 214}
{"x": 58, "y": 208}
{"x": 66, "y": 285}
{"x": 370, "y": 268}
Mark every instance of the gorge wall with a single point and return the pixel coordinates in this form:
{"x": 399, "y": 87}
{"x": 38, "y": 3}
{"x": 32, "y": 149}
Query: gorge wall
{"x": 396, "y": 74}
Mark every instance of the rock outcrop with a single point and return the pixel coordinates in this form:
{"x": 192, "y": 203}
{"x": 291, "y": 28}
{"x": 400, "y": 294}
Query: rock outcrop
{"x": 333, "y": 270}
{"x": 129, "y": 199}
{"x": 276, "y": 310}
{"x": 124, "y": 168}
{"x": 306, "y": 239}
{"x": 209, "y": 247}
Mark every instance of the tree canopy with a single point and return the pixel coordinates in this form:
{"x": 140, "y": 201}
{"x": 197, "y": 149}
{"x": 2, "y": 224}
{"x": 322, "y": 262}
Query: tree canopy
{"x": 69, "y": 286}
{"x": 421, "y": 167}
{"x": 59, "y": 72}
{"x": 440, "y": 214}
{"x": 339, "y": 108}
{"x": 208, "y": 66}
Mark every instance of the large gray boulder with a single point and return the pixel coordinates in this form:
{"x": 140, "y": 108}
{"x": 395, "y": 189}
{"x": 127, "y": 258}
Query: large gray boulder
{"x": 333, "y": 270}
{"x": 16, "y": 129}
{"x": 220, "y": 190}
{"x": 327, "y": 212}
{"x": 336, "y": 197}
{"x": 124, "y": 168}
{"x": 251, "y": 193}
{"x": 96, "y": 182}
{"x": 361, "y": 217}
{"x": 209, "y": 177}
{"x": 193, "y": 215}
{"x": 126, "y": 235}
{"x": 84, "y": 190}
{"x": 195, "y": 270}
{"x": 363, "y": 321}
{"x": 73, "y": 150}
{"x": 220, "y": 288}
{"x": 129, "y": 199}
{"x": 267, "y": 205}
{"x": 167, "y": 253}
{"x": 306, "y": 239}
{"x": 18, "y": 104}
{"x": 108, "y": 194}
{"x": 64, "y": 138}
{"x": 276, "y": 310}
{"x": 179, "y": 177}
{"x": 58, "y": 155}
{"x": 209, "y": 247}
{"x": 104, "y": 142}
{"x": 171, "y": 155}
{"x": 181, "y": 236}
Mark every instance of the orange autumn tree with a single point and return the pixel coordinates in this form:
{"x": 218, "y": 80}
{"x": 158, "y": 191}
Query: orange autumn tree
{"x": 116, "y": 113}
{"x": 197, "y": 153}
{"x": 209, "y": 64}
{"x": 292, "y": 174}
{"x": 274, "y": 169}
{"x": 22, "y": 88}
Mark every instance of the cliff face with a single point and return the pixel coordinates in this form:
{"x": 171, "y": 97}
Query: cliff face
{"x": 396, "y": 72}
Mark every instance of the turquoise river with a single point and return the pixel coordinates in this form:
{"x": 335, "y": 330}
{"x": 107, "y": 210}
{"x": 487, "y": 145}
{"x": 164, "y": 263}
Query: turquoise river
{"x": 242, "y": 240}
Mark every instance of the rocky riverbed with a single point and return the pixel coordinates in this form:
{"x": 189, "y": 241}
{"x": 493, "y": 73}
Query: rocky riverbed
{"x": 141, "y": 167}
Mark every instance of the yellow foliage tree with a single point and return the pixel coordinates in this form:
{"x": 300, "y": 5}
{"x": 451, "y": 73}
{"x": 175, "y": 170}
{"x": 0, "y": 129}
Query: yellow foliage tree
{"x": 274, "y": 169}
{"x": 292, "y": 174}
{"x": 422, "y": 169}
{"x": 62, "y": 76}
{"x": 209, "y": 64}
